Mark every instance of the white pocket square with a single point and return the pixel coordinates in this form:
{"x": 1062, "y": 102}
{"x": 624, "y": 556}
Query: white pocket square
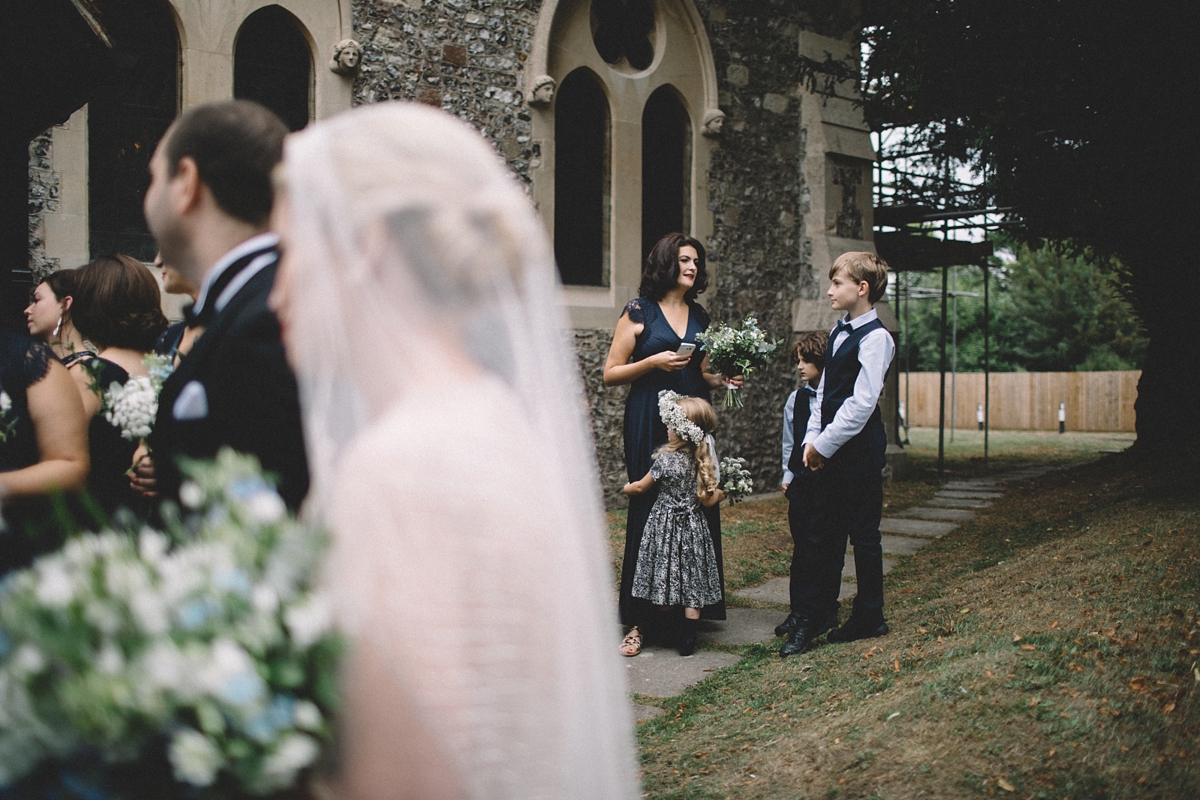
{"x": 192, "y": 402}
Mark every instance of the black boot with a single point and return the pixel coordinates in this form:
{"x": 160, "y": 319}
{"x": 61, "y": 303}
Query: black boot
{"x": 800, "y": 640}
{"x": 687, "y": 637}
{"x": 789, "y": 624}
{"x": 854, "y": 630}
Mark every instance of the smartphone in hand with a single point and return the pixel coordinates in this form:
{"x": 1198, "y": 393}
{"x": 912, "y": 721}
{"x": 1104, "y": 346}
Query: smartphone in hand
{"x": 686, "y": 349}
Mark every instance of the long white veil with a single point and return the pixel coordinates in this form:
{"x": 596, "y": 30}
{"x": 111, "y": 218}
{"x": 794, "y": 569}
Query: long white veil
{"x": 411, "y": 249}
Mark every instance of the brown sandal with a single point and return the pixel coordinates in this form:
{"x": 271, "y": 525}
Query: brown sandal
{"x": 631, "y": 645}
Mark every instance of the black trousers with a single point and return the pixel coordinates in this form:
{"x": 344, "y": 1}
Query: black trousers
{"x": 845, "y": 503}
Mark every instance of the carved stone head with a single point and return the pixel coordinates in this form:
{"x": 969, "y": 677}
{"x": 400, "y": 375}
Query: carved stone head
{"x": 541, "y": 94}
{"x": 346, "y": 57}
{"x": 714, "y": 122}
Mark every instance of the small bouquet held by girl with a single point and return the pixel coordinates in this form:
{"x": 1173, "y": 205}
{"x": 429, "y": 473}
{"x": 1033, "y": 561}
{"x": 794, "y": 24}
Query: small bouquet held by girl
{"x": 735, "y": 479}
{"x": 738, "y": 352}
{"x": 676, "y": 563}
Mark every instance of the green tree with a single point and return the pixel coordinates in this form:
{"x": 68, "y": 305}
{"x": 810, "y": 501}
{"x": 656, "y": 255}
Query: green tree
{"x": 1051, "y": 312}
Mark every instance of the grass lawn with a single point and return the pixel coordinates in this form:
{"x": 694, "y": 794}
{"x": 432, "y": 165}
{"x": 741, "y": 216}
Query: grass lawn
{"x": 1046, "y": 649}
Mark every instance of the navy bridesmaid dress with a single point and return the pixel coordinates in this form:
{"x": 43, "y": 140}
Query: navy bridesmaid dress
{"x": 645, "y": 433}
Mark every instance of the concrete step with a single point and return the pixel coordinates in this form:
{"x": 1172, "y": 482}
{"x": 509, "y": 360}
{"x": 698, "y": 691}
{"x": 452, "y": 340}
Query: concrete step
{"x": 975, "y": 484}
{"x": 955, "y": 502}
{"x": 974, "y": 494}
{"x": 915, "y": 527}
{"x": 936, "y": 514}
{"x": 776, "y": 591}
{"x": 848, "y": 566}
{"x": 902, "y": 545}
{"x": 662, "y": 672}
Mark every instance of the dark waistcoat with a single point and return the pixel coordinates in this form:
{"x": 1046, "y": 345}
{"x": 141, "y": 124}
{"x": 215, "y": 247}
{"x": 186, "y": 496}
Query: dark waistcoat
{"x": 800, "y": 415}
{"x": 841, "y": 373}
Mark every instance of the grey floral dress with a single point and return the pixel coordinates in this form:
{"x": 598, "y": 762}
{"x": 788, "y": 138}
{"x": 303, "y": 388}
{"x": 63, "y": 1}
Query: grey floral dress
{"x": 676, "y": 563}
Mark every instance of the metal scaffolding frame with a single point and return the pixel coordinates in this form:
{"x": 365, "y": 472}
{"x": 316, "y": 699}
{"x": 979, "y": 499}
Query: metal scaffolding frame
{"x": 918, "y": 193}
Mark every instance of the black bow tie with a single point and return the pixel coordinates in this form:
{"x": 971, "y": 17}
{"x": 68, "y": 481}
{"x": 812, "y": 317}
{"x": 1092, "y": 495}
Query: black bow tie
{"x": 190, "y": 318}
{"x": 842, "y": 325}
{"x": 808, "y": 390}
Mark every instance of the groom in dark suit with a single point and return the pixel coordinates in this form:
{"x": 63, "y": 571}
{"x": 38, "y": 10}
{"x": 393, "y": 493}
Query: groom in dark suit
{"x": 208, "y": 206}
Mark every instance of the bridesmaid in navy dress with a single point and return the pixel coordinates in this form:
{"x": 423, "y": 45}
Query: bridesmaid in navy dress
{"x": 643, "y": 354}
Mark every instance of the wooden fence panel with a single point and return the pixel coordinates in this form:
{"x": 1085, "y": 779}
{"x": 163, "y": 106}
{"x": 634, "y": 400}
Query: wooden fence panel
{"x": 1095, "y": 401}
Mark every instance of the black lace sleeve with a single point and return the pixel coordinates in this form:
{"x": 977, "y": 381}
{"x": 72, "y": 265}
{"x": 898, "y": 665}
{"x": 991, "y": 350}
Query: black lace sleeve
{"x": 26, "y": 360}
{"x": 702, "y": 316}
{"x": 636, "y": 309}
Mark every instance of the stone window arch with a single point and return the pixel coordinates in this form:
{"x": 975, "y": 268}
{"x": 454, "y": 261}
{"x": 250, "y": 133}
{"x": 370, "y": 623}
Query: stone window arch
{"x": 125, "y": 121}
{"x": 273, "y": 65}
{"x": 581, "y": 180}
{"x": 653, "y": 62}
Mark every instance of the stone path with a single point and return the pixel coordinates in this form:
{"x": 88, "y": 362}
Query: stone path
{"x": 661, "y": 672}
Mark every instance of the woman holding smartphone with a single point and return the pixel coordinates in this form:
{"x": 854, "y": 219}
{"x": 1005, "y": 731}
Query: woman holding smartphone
{"x": 654, "y": 348}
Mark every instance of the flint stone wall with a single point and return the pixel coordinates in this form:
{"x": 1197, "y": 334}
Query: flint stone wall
{"x": 43, "y": 198}
{"x": 467, "y": 57}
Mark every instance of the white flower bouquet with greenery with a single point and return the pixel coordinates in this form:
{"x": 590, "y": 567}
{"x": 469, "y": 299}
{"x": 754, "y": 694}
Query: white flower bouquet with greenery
{"x": 734, "y": 352}
{"x": 208, "y": 647}
{"x": 132, "y": 408}
{"x": 736, "y": 482}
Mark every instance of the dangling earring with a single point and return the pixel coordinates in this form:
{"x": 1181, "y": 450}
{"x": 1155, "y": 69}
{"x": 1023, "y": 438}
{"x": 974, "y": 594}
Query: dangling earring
{"x": 57, "y": 327}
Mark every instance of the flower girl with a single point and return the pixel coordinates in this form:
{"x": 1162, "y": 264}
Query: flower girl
{"x": 676, "y": 564}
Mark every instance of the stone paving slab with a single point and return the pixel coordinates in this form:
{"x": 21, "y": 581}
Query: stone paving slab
{"x": 662, "y": 672}
{"x": 773, "y": 591}
{"x": 955, "y": 502}
{"x": 915, "y": 527}
{"x": 642, "y": 713}
{"x": 937, "y": 514}
{"x": 902, "y": 545}
{"x": 972, "y": 484}
{"x": 973, "y": 494}
{"x": 744, "y": 625}
{"x": 776, "y": 591}
{"x": 848, "y": 566}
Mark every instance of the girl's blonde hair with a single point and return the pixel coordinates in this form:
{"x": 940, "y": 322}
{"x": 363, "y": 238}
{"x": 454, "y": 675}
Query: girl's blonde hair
{"x": 701, "y": 413}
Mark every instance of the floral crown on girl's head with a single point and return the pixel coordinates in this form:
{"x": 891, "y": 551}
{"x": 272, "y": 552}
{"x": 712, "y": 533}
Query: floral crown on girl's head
{"x": 675, "y": 420}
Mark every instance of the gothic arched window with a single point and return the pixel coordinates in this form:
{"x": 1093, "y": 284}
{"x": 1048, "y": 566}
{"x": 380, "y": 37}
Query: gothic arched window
{"x": 581, "y": 194}
{"x": 666, "y": 167}
{"x": 125, "y": 121}
{"x": 272, "y": 65}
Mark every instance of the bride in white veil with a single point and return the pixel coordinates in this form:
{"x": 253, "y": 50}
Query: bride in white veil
{"x": 450, "y": 458}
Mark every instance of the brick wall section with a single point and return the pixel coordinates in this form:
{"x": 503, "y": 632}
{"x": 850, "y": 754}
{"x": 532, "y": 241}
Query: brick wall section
{"x": 43, "y": 198}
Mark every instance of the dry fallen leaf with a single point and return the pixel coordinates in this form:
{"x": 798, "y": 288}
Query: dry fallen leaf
{"x": 1053, "y": 750}
{"x": 965, "y": 610}
{"x": 896, "y": 665}
{"x": 1029, "y": 647}
{"x": 1034, "y": 702}
{"x": 1017, "y": 638}
{"x": 1169, "y": 707}
{"x": 1005, "y": 785}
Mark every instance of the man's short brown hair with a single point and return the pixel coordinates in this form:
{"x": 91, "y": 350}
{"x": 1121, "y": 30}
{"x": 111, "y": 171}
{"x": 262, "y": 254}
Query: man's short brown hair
{"x": 861, "y": 267}
{"x": 811, "y": 347}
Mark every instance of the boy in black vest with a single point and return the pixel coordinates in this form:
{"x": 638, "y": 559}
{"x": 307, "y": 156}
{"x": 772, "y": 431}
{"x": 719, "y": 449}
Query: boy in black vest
{"x": 808, "y": 353}
{"x": 845, "y": 444}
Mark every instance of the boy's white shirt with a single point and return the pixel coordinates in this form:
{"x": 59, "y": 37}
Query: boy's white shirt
{"x": 789, "y": 415}
{"x": 875, "y": 353}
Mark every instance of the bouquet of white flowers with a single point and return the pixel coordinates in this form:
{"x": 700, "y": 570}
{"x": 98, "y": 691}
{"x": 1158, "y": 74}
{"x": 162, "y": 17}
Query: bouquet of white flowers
{"x": 133, "y": 407}
{"x": 738, "y": 352}
{"x": 207, "y": 646}
{"x": 7, "y": 423}
{"x": 735, "y": 479}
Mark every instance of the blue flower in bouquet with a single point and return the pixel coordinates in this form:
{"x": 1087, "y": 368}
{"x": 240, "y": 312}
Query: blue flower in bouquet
{"x": 210, "y": 636}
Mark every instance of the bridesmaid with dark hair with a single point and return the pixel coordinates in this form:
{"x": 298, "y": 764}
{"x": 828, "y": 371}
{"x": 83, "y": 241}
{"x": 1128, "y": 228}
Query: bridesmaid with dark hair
{"x": 118, "y": 308}
{"x": 645, "y": 354}
{"x": 48, "y": 317}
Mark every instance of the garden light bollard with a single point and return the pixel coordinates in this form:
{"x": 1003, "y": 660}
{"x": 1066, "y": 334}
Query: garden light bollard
{"x": 1062, "y": 417}
{"x": 979, "y": 414}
